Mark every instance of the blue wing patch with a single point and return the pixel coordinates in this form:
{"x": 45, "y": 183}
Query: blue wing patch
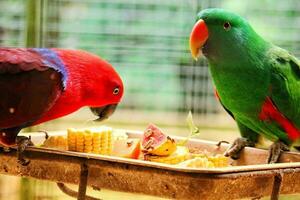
{"x": 52, "y": 60}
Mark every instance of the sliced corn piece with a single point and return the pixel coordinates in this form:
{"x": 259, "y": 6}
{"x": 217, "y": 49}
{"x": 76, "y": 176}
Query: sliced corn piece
{"x": 94, "y": 140}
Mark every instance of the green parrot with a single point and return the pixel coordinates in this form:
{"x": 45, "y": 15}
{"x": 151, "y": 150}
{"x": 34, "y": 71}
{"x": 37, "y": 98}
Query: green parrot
{"x": 257, "y": 82}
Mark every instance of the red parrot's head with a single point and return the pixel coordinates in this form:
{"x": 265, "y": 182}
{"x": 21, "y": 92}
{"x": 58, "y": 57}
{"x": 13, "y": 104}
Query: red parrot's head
{"x": 105, "y": 89}
{"x": 110, "y": 87}
{"x": 100, "y": 86}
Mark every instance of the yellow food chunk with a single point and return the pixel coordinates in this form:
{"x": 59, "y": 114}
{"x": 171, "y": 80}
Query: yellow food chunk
{"x": 181, "y": 154}
{"x": 96, "y": 140}
{"x": 206, "y": 161}
{"x": 219, "y": 160}
{"x": 199, "y": 162}
{"x": 56, "y": 142}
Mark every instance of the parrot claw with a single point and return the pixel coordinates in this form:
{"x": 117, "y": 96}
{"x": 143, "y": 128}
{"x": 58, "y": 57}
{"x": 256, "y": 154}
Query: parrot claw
{"x": 5, "y": 149}
{"x": 275, "y": 151}
{"x": 221, "y": 142}
{"x": 234, "y": 150}
{"x": 22, "y": 143}
{"x": 46, "y": 134}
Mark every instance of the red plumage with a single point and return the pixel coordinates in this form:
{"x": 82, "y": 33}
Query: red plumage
{"x": 270, "y": 112}
{"x": 91, "y": 83}
{"x": 38, "y": 85}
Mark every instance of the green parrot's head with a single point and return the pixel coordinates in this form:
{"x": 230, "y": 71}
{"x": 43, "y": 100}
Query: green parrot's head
{"x": 222, "y": 35}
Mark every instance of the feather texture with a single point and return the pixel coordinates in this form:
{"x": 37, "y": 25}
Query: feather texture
{"x": 257, "y": 82}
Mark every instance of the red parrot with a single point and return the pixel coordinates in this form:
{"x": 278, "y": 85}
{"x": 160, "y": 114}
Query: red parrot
{"x": 40, "y": 84}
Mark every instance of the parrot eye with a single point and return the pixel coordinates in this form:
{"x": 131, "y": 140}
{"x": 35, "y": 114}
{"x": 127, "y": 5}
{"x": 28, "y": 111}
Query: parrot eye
{"x": 116, "y": 90}
{"x": 227, "y": 26}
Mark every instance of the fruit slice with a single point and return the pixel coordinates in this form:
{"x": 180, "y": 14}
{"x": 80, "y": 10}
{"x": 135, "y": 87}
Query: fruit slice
{"x": 181, "y": 154}
{"x": 129, "y": 148}
{"x": 155, "y": 142}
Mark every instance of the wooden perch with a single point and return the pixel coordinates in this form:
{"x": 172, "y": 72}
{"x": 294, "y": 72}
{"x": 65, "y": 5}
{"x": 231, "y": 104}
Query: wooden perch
{"x": 136, "y": 176}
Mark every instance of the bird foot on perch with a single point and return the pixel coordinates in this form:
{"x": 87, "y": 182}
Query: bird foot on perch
{"x": 237, "y": 146}
{"x": 221, "y": 142}
{"x": 5, "y": 149}
{"x": 46, "y": 134}
{"x": 275, "y": 151}
{"x": 22, "y": 143}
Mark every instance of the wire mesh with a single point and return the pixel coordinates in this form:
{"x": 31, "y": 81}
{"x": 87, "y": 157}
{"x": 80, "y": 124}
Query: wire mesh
{"x": 12, "y": 23}
{"x": 147, "y": 42}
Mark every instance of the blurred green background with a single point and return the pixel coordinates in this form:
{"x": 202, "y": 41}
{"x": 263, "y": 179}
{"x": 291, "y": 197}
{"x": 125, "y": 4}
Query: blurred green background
{"x": 147, "y": 43}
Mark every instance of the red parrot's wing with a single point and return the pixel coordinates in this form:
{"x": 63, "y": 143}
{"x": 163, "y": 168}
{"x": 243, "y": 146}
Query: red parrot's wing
{"x": 28, "y": 86}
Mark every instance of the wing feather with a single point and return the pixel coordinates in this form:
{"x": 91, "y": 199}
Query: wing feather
{"x": 285, "y": 84}
{"x": 28, "y": 87}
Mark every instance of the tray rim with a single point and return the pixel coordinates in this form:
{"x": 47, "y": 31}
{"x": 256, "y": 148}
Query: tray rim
{"x": 223, "y": 170}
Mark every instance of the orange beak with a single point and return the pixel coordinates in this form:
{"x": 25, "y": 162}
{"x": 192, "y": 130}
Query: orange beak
{"x": 198, "y": 37}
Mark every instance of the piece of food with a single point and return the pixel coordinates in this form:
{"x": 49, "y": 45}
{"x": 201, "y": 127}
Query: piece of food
{"x": 129, "y": 148}
{"x": 40, "y": 84}
{"x": 204, "y": 161}
{"x": 199, "y": 162}
{"x": 56, "y": 142}
{"x": 181, "y": 154}
{"x": 98, "y": 141}
{"x": 119, "y": 135}
{"x": 194, "y": 130}
{"x": 155, "y": 142}
{"x": 218, "y": 160}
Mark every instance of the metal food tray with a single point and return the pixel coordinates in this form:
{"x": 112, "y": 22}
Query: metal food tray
{"x": 248, "y": 177}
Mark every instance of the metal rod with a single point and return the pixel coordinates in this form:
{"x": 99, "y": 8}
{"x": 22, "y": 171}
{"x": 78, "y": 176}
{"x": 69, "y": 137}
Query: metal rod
{"x": 71, "y": 192}
{"x": 84, "y": 172}
{"x": 276, "y": 186}
{"x": 81, "y": 194}
{"x": 67, "y": 190}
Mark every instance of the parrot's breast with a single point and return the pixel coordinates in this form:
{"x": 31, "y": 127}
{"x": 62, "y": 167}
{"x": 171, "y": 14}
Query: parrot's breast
{"x": 240, "y": 92}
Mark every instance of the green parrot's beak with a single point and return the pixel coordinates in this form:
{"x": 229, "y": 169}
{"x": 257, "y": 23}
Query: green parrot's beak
{"x": 198, "y": 37}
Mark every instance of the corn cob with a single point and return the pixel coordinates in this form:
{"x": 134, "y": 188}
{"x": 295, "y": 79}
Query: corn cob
{"x": 71, "y": 137}
{"x": 57, "y": 142}
{"x": 106, "y": 142}
{"x": 181, "y": 154}
{"x": 98, "y": 141}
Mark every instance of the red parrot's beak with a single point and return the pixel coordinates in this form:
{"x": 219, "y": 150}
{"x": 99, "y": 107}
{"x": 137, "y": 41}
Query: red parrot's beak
{"x": 198, "y": 37}
{"x": 104, "y": 112}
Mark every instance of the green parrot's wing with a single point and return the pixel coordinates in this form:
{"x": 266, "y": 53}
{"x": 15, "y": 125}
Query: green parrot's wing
{"x": 245, "y": 131}
{"x": 285, "y": 83}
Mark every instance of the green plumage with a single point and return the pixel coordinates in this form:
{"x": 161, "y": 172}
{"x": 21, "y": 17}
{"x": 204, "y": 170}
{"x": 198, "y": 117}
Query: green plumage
{"x": 246, "y": 70}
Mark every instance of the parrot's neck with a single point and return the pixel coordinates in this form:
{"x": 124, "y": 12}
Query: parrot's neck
{"x": 71, "y": 98}
{"x": 242, "y": 83}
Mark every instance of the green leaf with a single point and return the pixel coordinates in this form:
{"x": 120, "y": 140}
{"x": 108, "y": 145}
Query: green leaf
{"x": 194, "y": 130}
